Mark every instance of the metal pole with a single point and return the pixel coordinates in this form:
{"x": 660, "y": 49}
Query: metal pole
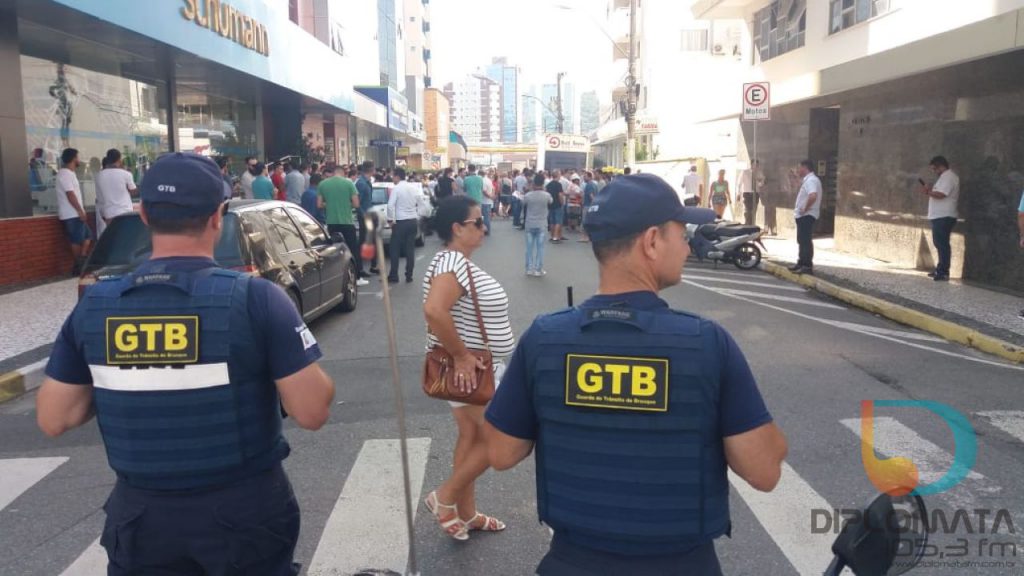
{"x": 631, "y": 103}
{"x": 560, "y": 119}
{"x": 378, "y": 244}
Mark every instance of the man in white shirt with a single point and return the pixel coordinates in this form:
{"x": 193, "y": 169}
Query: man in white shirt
{"x": 70, "y": 209}
{"x": 487, "y": 205}
{"x": 520, "y": 184}
{"x": 807, "y": 211}
{"x": 403, "y": 213}
{"x": 115, "y": 187}
{"x": 693, "y": 187}
{"x": 942, "y": 198}
{"x": 247, "y": 177}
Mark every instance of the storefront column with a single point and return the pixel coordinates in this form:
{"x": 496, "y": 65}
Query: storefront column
{"x": 15, "y": 196}
{"x": 173, "y": 141}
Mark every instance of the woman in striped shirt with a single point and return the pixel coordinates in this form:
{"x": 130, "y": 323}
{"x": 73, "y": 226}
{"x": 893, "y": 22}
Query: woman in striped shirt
{"x": 452, "y": 323}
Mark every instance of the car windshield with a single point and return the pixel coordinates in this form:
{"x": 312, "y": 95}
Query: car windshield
{"x": 380, "y": 195}
{"x": 126, "y": 242}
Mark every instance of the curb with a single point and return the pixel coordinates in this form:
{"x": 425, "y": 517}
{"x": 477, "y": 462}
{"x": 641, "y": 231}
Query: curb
{"x": 944, "y": 328}
{"x": 13, "y": 383}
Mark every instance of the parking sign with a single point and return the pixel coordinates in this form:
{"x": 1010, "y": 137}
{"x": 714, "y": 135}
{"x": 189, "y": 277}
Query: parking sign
{"x": 757, "y": 101}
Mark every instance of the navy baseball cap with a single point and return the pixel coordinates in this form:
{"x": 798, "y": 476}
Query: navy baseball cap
{"x": 632, "y": 204}
{"x": 182, "y": 185}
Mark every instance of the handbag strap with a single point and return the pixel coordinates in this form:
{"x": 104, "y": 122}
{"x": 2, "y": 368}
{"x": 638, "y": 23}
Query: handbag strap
{"x": 476, "y": 305}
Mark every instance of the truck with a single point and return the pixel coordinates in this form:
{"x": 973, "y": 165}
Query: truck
{"x": 563, "y": 152}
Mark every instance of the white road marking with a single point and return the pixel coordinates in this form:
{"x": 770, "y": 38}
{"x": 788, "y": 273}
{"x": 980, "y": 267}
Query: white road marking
{"x": 746, "y": 275}
{"x": 892, "y": 438}
{"x": 1009, "y": 421}
{"x": 864, "y": 332}
{"x": 90, "y": 563}
{"x": 367, "y": 527}
{"x": 785, "y": 514}
{"x": 19, "y": 474}
{"x": 886, "y": 331}
{"x": 801, "y": 301}
{"x": 745, "y": 283}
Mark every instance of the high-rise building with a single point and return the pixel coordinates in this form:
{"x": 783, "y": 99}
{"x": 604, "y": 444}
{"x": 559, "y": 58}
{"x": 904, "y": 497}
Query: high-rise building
{"x": 475, "y": 108}
{"x": 531, "y": 125}
{"x": 590, "y": 115}
{"x": 417, "y": 53}
{"x": 569, "y": 105}
{"x": 390, "y": 38}
{"x": 507, "y": 77}
{"x": 549, "y": 95}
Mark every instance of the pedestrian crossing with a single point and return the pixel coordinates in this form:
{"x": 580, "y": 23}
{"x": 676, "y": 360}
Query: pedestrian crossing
{"x": 367, "y": 528}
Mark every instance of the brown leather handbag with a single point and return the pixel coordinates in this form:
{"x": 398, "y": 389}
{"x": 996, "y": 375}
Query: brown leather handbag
{"x": 439, "y": 366}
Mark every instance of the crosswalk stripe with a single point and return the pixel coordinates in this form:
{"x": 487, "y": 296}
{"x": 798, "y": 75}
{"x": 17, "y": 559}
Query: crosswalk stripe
{"x": 745, "y": 283}
{"x": 892, "y": 438}
{"x": 745, "y": 275}
{"x": 1009, "y": 421}
{"x": 367, "y": 529}
{"x": 19, "y": 474}
{"x": 785, "y": 514}
{"x": 884, "y": 331}
{"x": 91, "y": 562}
{"x": 803, "y": 301}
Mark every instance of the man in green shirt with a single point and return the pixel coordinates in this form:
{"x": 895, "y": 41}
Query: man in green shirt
{"x": 473, "y": 185}
{"x": 337, "y": 197}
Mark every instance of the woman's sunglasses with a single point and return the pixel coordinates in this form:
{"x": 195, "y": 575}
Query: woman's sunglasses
{"x": 479, "y": 223}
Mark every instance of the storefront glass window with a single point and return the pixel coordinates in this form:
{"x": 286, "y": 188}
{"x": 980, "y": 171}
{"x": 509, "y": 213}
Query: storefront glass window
{"x": 69, "y": 107}
{"x": 216, "y": 125}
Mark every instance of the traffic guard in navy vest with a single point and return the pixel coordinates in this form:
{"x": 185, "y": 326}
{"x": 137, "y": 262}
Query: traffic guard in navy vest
{"x": 185, "y": 366}
{"x": 636, "y": 410}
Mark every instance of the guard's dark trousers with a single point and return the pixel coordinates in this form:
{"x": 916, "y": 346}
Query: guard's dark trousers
{"x": 403, "y": 241}
{"x": 248, "y": 528}
{"x": 805, "y": 238}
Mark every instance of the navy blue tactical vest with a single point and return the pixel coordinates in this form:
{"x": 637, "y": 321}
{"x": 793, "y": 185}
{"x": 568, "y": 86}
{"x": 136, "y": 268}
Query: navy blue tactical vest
{"x": 181, "y": 393}
{"x": 629, "y": 453}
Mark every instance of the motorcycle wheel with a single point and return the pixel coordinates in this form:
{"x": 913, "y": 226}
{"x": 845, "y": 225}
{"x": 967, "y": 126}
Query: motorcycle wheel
{"x": 748, "y": 256}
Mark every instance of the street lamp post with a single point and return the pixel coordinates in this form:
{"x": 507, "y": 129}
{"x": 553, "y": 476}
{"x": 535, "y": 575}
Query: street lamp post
{"x": 631, "y": 104}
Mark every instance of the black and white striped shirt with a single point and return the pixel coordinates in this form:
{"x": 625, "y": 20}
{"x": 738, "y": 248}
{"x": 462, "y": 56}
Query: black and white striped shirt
{"x": 491, "y": 296}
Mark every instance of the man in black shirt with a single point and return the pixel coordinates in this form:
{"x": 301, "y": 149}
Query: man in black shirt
{"x": 556, "y": 215}
{"x": 445, "y": 185}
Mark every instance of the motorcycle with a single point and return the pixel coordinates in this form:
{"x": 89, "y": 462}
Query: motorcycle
{"x": 729, "y": 242}
{"x": 887, "y": 538}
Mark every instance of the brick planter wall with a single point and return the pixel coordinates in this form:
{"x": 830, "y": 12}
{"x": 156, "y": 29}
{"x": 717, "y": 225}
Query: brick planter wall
{"x": 33, "y": 248}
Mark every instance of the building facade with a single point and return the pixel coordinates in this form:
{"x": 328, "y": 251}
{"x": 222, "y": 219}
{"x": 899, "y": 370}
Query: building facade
{"x": 507, "y": 77}
{"x": 590, "y": 112}
{"x": 240, "y": 80}
{"x": 475, "y": 108}
{"x": 437, "y": 119}
{"x": 870, "y": 91}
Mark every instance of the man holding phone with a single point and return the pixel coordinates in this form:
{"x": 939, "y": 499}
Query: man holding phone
{"x": 942, "y": 199}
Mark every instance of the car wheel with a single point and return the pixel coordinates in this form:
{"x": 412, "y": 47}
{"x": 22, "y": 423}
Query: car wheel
{"x": 350, "y": 290}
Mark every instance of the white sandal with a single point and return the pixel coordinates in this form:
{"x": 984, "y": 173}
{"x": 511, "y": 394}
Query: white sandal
{"x": 491, "y": 524}
{"x": 455, "y": 526}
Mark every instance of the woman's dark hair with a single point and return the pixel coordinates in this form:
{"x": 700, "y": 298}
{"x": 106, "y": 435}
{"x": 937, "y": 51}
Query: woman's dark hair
{"x": 538, "y": 179}
{"x": 112, "y": 157}
{"x": 452, "y": 210}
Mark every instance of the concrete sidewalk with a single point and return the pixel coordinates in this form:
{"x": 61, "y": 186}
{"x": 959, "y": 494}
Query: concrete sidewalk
{"x": 29, "y": 322}
{"x": 956, "y": 310}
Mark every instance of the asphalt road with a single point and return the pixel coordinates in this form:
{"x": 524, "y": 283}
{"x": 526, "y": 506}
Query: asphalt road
{"x": 815, "y": 361}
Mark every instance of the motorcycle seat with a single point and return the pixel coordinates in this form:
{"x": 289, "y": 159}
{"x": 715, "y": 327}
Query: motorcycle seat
{"x": 737, "y": 230}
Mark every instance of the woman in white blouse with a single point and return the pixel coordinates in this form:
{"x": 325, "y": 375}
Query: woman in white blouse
{"x": 451, "y": 322}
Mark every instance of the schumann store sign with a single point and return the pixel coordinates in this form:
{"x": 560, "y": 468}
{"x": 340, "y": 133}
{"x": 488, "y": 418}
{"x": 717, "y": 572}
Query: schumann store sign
{"x": 252, "y": 36}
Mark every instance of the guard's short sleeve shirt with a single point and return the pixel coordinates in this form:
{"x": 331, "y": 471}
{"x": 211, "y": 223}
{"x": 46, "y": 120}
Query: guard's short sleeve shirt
{"x": 288, "y": 344}
{"x": 741, "y": 406}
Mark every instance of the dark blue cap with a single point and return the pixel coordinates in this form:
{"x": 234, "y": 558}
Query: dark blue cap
{"x": 182, "y": 185}
{"x": 632, "y": 204}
